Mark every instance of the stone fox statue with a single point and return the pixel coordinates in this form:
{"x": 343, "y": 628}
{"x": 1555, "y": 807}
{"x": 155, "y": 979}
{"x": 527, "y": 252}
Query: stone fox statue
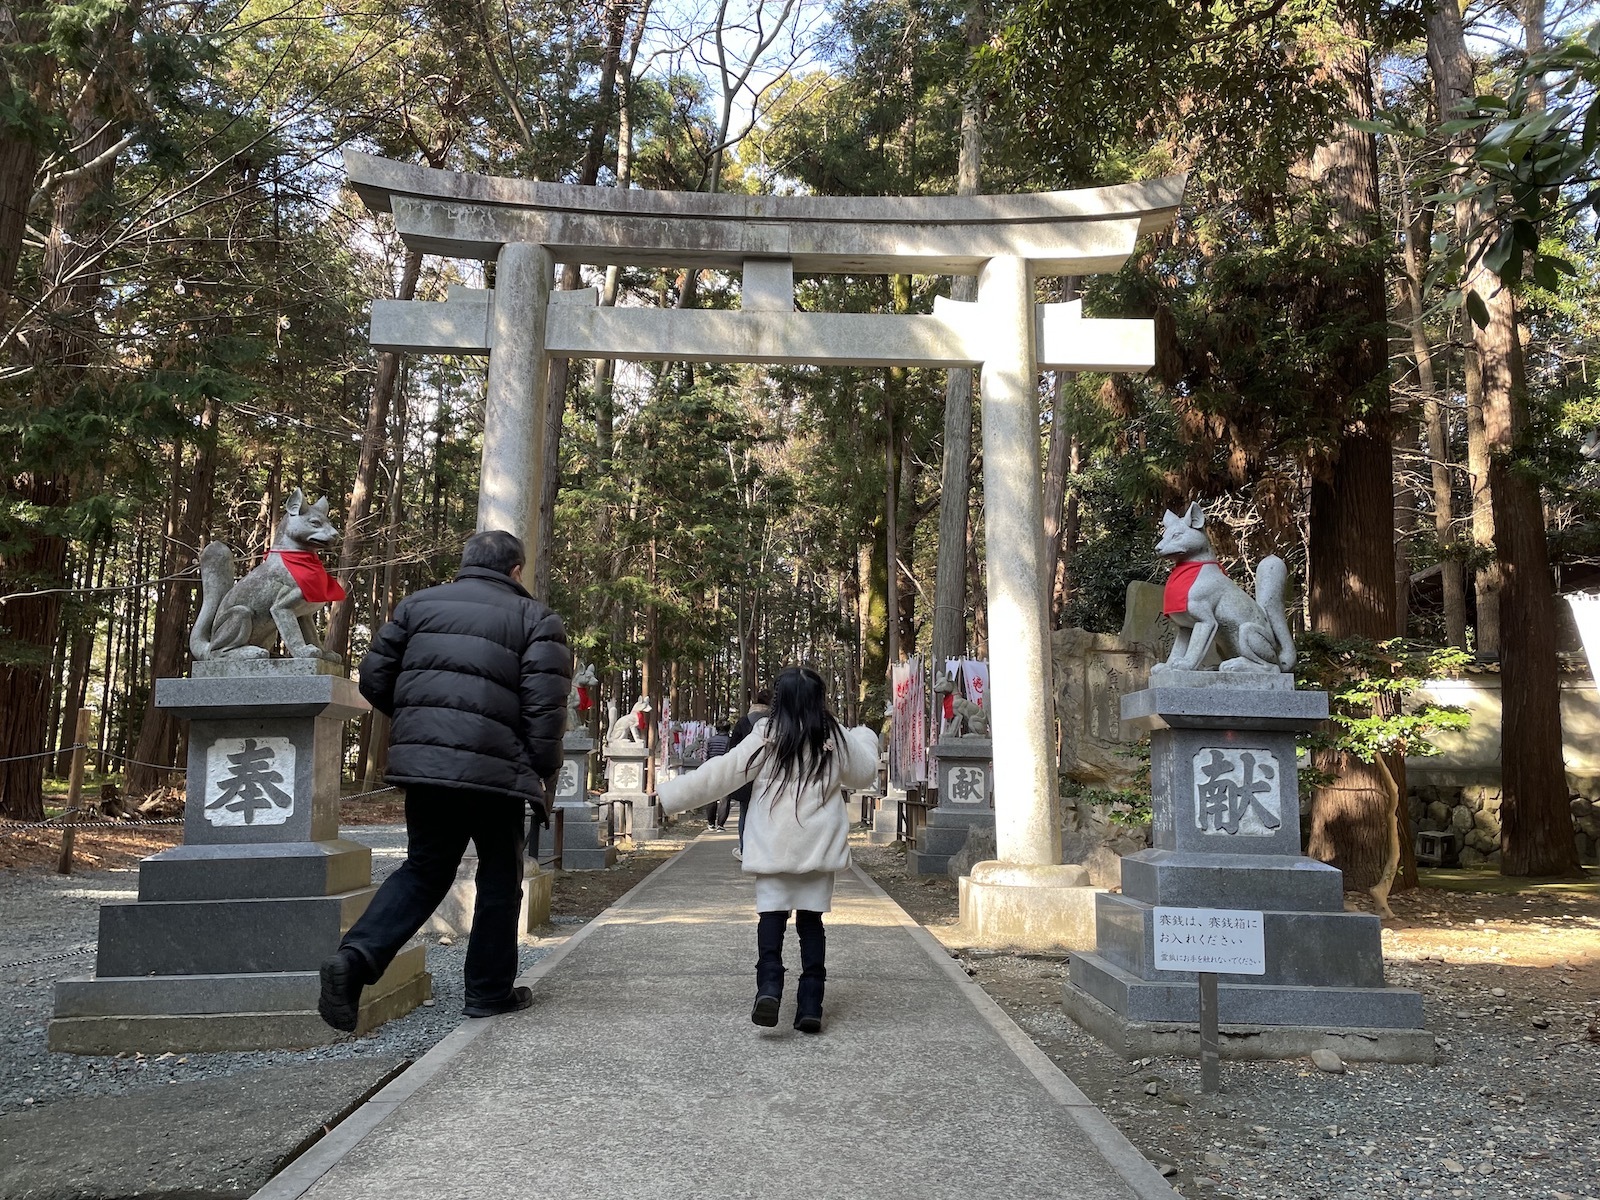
{"x": 626, "y": 727}
{"x": 966, "y": 718}
{"x": 580, "y": 699}
{"x": 1210, "y": 611}
{"x": 277, "y": 599}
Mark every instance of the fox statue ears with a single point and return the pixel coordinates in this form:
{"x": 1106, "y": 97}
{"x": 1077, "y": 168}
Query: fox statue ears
{"x": 296, "y": 503}
{"x": 1194, "y": 518}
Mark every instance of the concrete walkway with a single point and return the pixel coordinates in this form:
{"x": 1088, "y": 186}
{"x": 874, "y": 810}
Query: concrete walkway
{"x": 637, "y": 1073}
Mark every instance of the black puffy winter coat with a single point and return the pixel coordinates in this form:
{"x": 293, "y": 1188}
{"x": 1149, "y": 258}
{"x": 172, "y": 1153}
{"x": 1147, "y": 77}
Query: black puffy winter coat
{"x": 475, "y": 676}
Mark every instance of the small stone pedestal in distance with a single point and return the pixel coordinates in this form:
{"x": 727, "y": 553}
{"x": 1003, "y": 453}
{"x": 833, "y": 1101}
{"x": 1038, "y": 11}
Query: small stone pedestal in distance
{"x": 222, "y": 947}
{"x": 966, "y": 802}
{"x": 886, "y": 816}
{"x": 585, "y": 827}
{"x": 626, "y": 767}
{"x": 1226, "y": 835}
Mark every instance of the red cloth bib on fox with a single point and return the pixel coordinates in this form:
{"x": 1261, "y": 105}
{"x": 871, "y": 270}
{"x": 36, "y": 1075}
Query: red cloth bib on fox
{"x": 316, "y": 585}
{"x": 1175, "y": 596}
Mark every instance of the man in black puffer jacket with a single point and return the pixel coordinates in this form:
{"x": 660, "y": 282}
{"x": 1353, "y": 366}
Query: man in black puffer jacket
{"x": 474, "y": 675}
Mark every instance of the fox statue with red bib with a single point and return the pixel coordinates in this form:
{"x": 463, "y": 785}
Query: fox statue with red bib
{"x": 278, "y": 599}
{"x": 1218, "y": 625}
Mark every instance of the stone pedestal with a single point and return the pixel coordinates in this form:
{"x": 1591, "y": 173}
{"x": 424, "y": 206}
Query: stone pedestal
{"x": 586, "y": 843}
{"x": 1028, "y": 906}
{"x": 966, "y": 802}
{"x": 627, "y": 769}
{"x": 1226, "y": 834}
{"x": 453, "y": 917}
{"x": 222, "y": 947}
{"x": 886, "y": 816}
{"x": 586, "y": 834}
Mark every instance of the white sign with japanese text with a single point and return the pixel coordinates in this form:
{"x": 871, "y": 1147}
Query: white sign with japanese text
{"x": 1225, "y": 941}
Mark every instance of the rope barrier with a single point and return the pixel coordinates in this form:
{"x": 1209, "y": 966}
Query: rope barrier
{"x": 50, "y": 958}
{"x": 41, "y": 754}
{"x": 56, "y": 823}
{"x": 91, "y": 750}
{"x": 62, "y": 822}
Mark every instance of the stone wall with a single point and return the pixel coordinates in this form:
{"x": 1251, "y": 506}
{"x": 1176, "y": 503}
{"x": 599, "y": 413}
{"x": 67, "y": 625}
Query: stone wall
{"x": 1472, "y": 813}
{"x": 1459, "y": 789}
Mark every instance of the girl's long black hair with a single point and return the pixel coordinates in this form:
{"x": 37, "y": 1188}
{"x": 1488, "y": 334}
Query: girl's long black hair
{"x": 798, "y": 728}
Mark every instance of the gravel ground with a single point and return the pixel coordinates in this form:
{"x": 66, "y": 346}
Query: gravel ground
{"x": 57, "y": 917}
{"x": 1512, "y": 1109}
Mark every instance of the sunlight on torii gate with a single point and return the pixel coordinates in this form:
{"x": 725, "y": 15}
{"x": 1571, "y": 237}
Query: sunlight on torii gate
{"x": 527, "y": 227}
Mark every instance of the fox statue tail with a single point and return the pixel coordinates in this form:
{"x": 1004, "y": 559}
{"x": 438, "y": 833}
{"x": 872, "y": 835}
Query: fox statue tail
{"x": 1272, "y": 580}
{"x": 216, "y": 577}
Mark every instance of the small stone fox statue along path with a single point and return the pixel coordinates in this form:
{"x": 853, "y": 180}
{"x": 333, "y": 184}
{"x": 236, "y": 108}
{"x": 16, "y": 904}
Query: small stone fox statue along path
{"x": 637, "y": 1073}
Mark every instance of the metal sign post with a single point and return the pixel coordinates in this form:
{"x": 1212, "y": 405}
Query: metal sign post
{"x": 1209, "y": 941}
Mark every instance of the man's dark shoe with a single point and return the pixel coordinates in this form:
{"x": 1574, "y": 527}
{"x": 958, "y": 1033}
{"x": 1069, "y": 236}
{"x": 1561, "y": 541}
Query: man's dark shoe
{"x": 765, "y": 1011}
{"x": 340, "y": 1000}
{"x": 519, "y": 999}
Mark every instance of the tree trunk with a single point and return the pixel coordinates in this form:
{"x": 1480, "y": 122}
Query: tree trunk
{"x": 158, "y": 740}
{"x": 1453, "y": 86}
{"x": 19, "y": 144}
{"x": 891, "y": 526}
{"x": 1058, "y": 463}
{"x": 1351, "y": 565}
{"x": 955, "y": 481}
{"x": 1536, "y": 824}
{"x": 61, "y": 351}
{"x": 28, "y": 627}
{"x": 372, "y": 451}
{"x": 1535, "y": 820}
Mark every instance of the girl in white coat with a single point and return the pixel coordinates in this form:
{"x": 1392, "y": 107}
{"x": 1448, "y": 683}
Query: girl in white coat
{"x": 798, "y": 834}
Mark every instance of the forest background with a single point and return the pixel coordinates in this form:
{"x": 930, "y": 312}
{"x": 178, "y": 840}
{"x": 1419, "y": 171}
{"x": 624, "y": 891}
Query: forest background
{"x": 1374, "y": 318}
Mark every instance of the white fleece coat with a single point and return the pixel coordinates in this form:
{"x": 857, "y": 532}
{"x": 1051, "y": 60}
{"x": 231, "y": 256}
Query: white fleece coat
{"x": 783, "y": 834}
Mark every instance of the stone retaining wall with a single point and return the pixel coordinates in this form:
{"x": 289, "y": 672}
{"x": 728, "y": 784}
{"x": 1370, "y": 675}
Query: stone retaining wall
{"x": 1472, "y": 813}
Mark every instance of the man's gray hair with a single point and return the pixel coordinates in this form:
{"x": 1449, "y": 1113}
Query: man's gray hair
{"x": 495, "y": 550}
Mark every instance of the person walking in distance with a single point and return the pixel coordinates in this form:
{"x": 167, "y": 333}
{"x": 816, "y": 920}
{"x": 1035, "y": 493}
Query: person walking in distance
{"x": 718, "y": 744}
{"x": 474, "y": 676}
{"x": 741, "y": 730}
{"x": 798, "y": 759}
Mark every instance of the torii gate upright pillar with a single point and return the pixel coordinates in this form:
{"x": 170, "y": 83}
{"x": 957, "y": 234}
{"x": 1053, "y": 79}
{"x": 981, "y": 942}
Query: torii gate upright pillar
{"x": 513, "y": 413}
{"x": 1027, "y": 832}
{"x": 1026, "y": 897}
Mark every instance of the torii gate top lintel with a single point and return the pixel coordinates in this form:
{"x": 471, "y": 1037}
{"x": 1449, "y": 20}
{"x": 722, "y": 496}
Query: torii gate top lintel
{"x": 472, "y": 216}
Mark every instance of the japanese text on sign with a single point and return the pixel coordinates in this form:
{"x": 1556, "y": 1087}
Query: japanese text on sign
{"x": 1225, "y": 941}
{"x": 249, "y": 781}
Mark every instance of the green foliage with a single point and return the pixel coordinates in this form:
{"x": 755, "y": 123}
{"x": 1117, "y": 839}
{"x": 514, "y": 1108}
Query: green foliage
{"x": 1369, "y": 685}
{"x": 1535, "y": 162}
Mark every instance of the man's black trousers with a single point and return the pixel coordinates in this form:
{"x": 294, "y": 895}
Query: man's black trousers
{"x": 439, "y": 824}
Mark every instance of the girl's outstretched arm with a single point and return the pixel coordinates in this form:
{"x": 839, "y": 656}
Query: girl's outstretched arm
{"x": 714, "y": 780}
{"x": 858, "y": 757}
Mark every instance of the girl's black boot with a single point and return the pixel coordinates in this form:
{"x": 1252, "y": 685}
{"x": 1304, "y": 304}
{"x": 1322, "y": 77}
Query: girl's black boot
{"x": 769, "y": 968}
{"x": 813, "y": 972}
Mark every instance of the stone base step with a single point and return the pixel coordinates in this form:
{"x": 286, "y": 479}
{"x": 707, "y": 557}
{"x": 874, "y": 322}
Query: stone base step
{"x": 1178, "y": 1001}
{"x": 1243, "y": 1042}
{"x": 580, "y": 859}
{"x": 192, "y": 1013}
{"x": 922, "y": 862}
{"x": 225, "y": 937}
{"x": 272, "y": 870}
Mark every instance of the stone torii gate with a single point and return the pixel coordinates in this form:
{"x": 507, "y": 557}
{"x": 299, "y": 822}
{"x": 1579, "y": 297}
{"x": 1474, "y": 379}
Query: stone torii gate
{"x": 525, "y": 228}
